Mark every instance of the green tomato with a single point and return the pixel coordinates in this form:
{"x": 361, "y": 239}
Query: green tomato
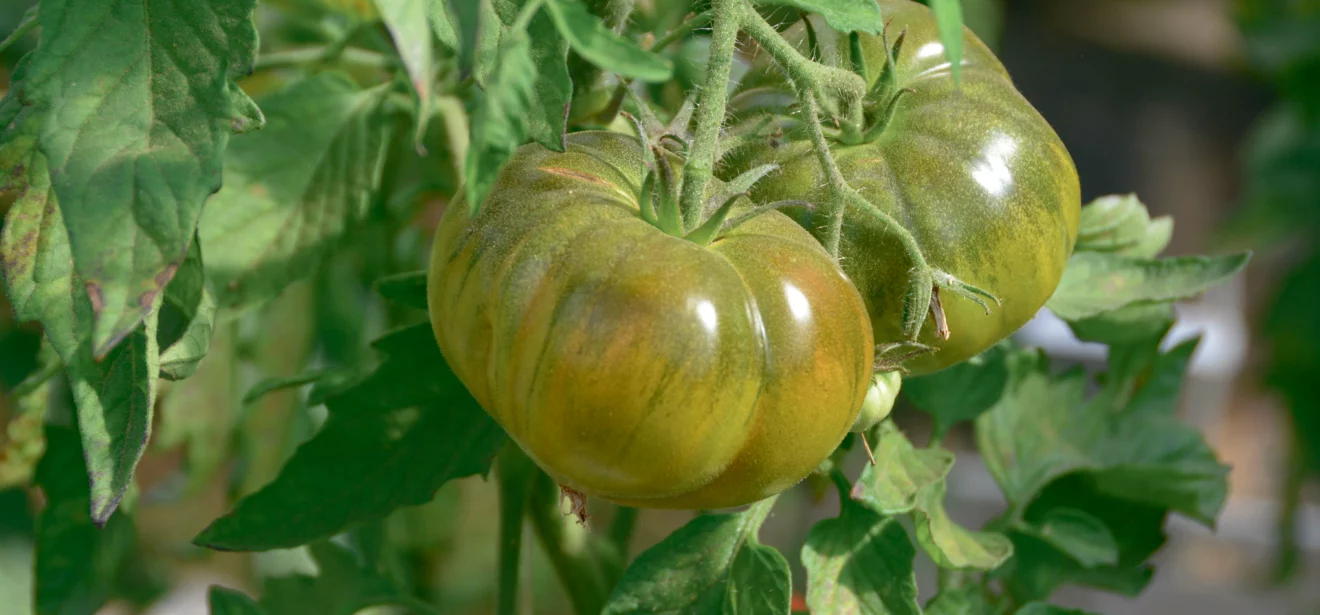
{"x": 638, "y": 366}
{"x": 977, "y": 176}
{"x": 879, "y": 402}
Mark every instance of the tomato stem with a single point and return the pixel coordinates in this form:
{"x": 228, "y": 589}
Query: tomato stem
{"x": 842, "y": 483}
{"x": 621, "y": 530}
{"x": 700, "y": 165}
{"x": 580, "y": 571}
{"x": 691, "y": 23}
{"x": 825, "y": 82}
{"x": 837, "y": 185}
{"x": 514, "y": 471}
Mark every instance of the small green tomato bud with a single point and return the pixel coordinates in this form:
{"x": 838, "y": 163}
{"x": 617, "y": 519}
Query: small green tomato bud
{"x": 879, "y": 401}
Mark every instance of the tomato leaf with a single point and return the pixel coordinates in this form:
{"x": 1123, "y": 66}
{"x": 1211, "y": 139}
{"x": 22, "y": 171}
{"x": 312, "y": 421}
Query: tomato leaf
{"x": 950, "y": 545}
{"x": 589, "y": 37}
{"x": 860, "y": 562}
{"x": 295, "y": 188}
{"x": 1141, "y": 380}
{"x": 959, "y": 601}
{"x": 1095, "y": 283}
{"x": 1043, "y": 429}
{"x": 553, "y": 89}
{"x": 949, "y": 19}
{"x": 499, "y": 124}
{"x": 391, "y": 440}
{"x": 136, "y": 113}
{"x": 842, "y": 15}
{"x": 116, "y": 399}
{"x": 1125, "y": 325}
{"x": 187, "y": 318}
{"x": 115, "y": 395}
{"x": 900, "y": 472}
{"x": 959, "y": 393}
{"x": 410, "y": 23}
{"x": 76, "y": 562}
{"x": 1121, "y": 224}
{"x": 485, "y": 27}
{"x": 318, "y": 376}
{"x": 34, "y": 247}
{"x": 442, "y": 24}
{"x": 1040, "y": 566}
{"x": 225, "y": 601}
{"x": 404, "y": 288}
{"x": 23, "y": 440}
{"x": 714, "y": 565}
{"x": 908, "y": 479}
{"x": 1077, "y": 534}
{"x": 342, "y": 584}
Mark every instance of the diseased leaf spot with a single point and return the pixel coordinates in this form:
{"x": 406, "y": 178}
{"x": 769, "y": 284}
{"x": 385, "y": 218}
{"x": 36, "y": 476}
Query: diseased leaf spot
{"x": 94, "y": 294}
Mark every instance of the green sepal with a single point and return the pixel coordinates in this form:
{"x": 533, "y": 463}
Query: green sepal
{"x": 670, "y": 219}
{"x": 645, "y": 202}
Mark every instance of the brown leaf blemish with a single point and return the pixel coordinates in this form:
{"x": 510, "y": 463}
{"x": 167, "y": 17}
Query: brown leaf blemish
{"x": 94, "y": 294}
{"x": 166, "y": 275}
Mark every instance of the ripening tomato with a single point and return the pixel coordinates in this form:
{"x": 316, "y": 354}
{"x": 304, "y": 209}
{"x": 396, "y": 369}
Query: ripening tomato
{"x": 636, "y": 365}
{"x": 972, "y": 171}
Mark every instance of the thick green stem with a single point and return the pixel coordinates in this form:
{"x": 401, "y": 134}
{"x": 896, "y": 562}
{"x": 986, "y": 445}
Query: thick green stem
{"x": 835, "y": 205}
{"x": 700, "y": 165}
{"x": 579, "y": 570}
{"x": 757, "y": 513}
{"x": 621, "y": 529}
{"x": 806, "y": 75}
{"x": 697, "y": 21}
{"x": 514, "y": 472}
{"x": 842, "y": 484}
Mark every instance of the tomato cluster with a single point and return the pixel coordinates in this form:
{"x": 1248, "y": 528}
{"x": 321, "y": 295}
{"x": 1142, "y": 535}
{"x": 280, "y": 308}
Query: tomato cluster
{"x": 634, "y": 364}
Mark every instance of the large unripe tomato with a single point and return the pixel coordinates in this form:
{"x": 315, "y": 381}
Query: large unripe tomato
{"x": 635, "y": 365}
{"x": 972, "y": 171}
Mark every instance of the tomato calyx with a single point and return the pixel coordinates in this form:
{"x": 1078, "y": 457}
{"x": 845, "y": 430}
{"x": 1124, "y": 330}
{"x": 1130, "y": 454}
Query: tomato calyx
{"x": 890, "y": 357}
{"x": 658, "y": 200}
{"x": 882, "y": 100}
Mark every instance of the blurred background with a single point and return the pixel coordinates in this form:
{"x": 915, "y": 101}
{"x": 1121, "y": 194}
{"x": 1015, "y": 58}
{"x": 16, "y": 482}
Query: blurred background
{"x": 1209, "y": 110}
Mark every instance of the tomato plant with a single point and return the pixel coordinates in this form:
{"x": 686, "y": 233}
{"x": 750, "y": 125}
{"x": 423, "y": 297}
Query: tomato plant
{"x": 361, "y": 290}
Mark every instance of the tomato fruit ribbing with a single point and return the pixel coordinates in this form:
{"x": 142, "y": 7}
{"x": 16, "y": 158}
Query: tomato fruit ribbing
{"x": 636, "y": 365}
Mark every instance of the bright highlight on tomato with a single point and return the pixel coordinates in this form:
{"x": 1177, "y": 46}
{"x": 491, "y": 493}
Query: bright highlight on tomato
{"x": 635, "y": 365}
{"x": 972, "y": 171}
